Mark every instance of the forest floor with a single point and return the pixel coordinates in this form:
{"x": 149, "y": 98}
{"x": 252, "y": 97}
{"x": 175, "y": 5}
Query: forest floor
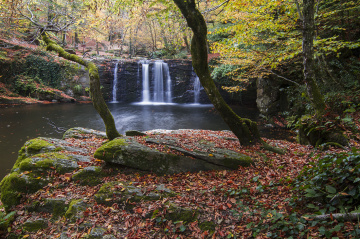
{"x": 224, "y": 204}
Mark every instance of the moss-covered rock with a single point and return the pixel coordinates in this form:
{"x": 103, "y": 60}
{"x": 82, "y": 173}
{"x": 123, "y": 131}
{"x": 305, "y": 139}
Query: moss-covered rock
{"x": 125, "y": 193}
{"x": 97, "y": 232}
{"x": 76, "y": 209}
{"x": 186, "y": 215}
{"x": 15, "y": 184}
{"x": 208, "y": 226}
{"x": 82, "y": 133}
{"x": 32, "y": 147}
{"x": 89, "y": 176}
{"x": 55, "y": 206}
{"x": 128, "y": 152}
{"x": 49, "y": 161}
{"x": 33, "y": 225}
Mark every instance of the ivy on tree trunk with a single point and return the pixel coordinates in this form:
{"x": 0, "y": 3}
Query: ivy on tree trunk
{"x": 312, "y": 88}
{"x": 96, "y": 96}
{"x": 244, "y": 129}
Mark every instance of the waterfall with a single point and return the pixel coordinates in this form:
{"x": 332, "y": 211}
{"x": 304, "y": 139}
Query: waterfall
{"x": 161, "y": 82}
{"x": 146, "y": 82}
{"x": 197, "y": 88}
{"x": 158, "y": 82}
{"x": 115, "y": 83}
{"x": 168, "y": 83}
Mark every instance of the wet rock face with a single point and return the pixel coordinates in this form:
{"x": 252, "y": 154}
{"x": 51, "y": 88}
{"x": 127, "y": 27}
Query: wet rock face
{"x": 270, "y": 96}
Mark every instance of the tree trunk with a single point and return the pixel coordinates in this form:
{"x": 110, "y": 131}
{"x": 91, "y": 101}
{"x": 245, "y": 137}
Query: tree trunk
{"x": 96, "y": 96}
{"x": 313, "y": 91}
{"x": 76, "y": 40}
{"x": 244, "y": 129}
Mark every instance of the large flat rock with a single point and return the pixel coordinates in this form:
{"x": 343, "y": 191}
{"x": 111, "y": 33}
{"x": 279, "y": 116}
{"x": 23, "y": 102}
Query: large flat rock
{"x": 201, "y": 156}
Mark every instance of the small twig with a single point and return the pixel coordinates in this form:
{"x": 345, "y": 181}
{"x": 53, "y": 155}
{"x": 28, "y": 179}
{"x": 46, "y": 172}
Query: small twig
{"x": 282, "y": 77}
{"x": 52, "y": 124}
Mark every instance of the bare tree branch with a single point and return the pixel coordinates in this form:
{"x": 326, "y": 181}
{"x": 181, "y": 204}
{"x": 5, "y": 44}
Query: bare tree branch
{"x": 216, "y": 7}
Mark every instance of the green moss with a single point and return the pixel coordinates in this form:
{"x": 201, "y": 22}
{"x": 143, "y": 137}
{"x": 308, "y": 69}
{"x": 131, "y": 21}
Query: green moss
{"x": 126, "y": 194}
{"x": 89, "y": 177}
{"x": 15, "y": 184}
{"x": 58, "y": 208}
{"x": 32, "y": 147}
{"x": 208, "y": 226}
{"x": 75, "y": 207}
{"x": 27, "y": 164}
{"x": 33, "y": 226}
{"x": 242, "y": 160}
{"x": 185, "y": 215}
{"x": 10, "y": 187}
{"x": 110, "y": 149}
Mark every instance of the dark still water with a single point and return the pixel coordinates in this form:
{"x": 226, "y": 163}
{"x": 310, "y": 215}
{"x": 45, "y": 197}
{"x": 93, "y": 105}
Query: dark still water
{"x": 21, "y": 123}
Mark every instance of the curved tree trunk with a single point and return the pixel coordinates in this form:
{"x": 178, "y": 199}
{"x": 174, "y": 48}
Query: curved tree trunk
{"x": 96, "y": 96}
{"x": 244, "y": 129}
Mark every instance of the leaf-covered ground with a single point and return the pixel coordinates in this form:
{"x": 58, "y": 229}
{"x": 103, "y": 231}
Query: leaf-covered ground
{"x": 223, "y": 204}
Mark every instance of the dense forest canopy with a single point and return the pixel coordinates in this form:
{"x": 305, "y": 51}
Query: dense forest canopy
{"x": 254, "y": 39}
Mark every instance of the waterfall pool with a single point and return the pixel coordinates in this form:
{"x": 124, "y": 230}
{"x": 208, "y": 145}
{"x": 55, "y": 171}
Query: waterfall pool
{"x": 21, "y": 123}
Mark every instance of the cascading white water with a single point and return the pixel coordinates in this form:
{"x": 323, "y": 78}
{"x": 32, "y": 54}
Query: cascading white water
{"x": 161, "y": 82}
{"x": 168, "y": 83}
{"x": 115, "y": 82}
{"x": 197, "y": 88}
{"x": 146, "y": 82}
{"x": 158, "y": 82}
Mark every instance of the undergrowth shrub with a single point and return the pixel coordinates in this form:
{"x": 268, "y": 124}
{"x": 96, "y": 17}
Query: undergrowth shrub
{"x": 332, "y": 183}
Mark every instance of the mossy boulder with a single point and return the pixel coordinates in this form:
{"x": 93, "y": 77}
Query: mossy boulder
{"x": 48, "y": 162}
{"x": 126, "y": 193}
{"x": 76, "y": 209}
{"x": 30, "y": 172}
{"x": 34, "y": 146}
{"x": 33, "y": 225}
{"x": 128, "y": 152}
{"x": 208, "y": 226}
{"x": 186, "y": 215}
{"x": 15, "y": 184}
{"x": 82, "y": 133}
{"x": 55, "y": 206}
{"x": 89, "y": 176}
